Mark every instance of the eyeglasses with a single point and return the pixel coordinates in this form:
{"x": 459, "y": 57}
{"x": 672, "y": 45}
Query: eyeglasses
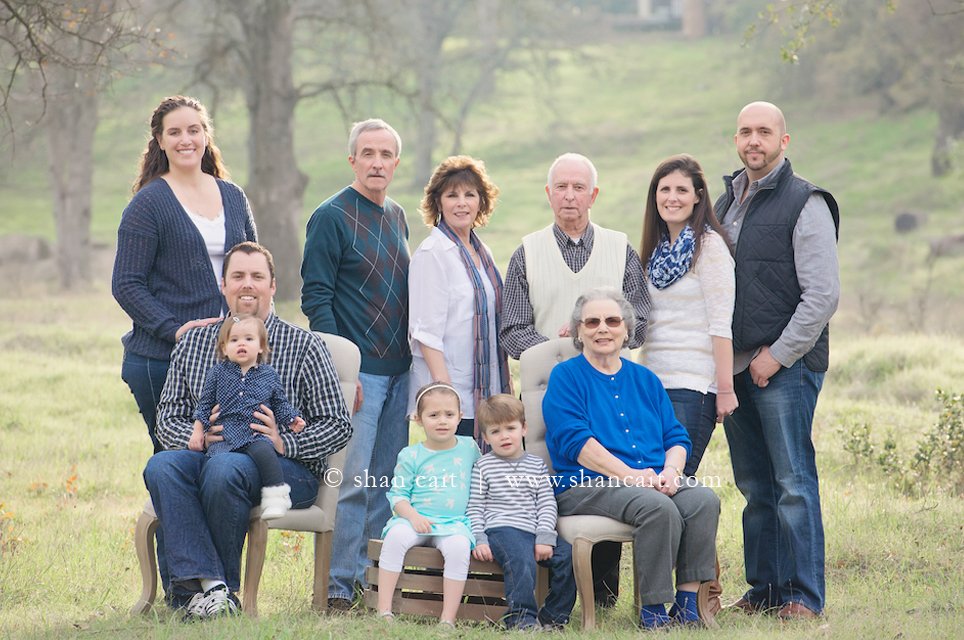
{"x": 612, "y": 322}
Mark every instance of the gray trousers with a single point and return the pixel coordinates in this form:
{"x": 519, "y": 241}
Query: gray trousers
{"x": 672, "y": 532}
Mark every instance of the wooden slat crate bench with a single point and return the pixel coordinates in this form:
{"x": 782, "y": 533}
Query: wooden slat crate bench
{"x": 419, "y": 589}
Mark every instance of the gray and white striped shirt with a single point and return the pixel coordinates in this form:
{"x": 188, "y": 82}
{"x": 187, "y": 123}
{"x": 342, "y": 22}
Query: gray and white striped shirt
{"x": 512, "y": 492}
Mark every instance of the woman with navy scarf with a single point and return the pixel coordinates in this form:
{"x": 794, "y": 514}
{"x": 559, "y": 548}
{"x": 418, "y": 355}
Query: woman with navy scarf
{"x": 455, "y": 292}
{"x": 691, "y": 282}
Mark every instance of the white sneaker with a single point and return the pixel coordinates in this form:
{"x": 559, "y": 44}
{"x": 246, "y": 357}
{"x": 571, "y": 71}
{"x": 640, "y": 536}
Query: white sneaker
{"x": 214, "y": 602}
{"x": 275, "y": 501}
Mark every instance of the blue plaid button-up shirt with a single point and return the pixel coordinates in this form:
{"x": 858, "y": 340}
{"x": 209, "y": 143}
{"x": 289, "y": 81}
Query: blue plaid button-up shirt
{"x": 307, "y": 374}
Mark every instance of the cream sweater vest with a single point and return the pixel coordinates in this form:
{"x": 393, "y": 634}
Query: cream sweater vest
{"x": 554, "y": 288}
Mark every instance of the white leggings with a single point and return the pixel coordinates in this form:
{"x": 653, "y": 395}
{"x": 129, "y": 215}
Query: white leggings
{"x": 456, "y": 550}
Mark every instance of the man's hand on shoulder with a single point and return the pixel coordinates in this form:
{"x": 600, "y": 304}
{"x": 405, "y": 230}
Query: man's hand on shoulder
{"x": 192, "y": 324}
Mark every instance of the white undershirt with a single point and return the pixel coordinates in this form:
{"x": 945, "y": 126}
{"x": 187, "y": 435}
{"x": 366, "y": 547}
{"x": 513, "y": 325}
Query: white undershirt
{"x": 213, "y": 233}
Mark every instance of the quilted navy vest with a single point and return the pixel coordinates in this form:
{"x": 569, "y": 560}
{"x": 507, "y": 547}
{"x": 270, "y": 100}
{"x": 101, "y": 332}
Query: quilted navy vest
{"x": 767, "y": 291}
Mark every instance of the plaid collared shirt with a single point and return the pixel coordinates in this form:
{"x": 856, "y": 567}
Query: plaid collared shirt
{"x": 518, "y": 331}
{"x": 307, "y": 375}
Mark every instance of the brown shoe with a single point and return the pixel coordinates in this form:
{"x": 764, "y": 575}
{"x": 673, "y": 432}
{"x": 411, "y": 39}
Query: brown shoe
{"x": 713, "y": 604}
{"x": 746, "y": 606}
{"x": 796, "y": 611}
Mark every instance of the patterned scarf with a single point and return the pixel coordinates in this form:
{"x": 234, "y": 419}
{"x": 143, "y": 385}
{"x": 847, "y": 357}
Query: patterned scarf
{"x": 669, "y": 263}
{"x": 481, "y": 367}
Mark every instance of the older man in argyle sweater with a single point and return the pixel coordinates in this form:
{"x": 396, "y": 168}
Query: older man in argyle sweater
{"x": 355, "y": 273}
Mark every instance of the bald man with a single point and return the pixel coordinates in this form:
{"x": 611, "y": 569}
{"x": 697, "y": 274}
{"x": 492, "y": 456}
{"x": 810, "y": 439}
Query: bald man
{"x": 787, "y": 287}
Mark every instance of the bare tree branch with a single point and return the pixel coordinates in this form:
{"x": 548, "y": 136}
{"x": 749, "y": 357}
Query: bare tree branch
{"x": 84, "y": 37}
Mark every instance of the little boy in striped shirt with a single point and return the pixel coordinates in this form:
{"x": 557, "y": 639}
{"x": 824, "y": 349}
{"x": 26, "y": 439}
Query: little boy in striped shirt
{"x": 513, "y": 513}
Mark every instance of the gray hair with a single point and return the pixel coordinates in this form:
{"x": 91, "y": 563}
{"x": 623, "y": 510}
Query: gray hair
{"x": 602, "y": 293}
{"x": 580, "y": 158}
{"x": 372, "y": 124}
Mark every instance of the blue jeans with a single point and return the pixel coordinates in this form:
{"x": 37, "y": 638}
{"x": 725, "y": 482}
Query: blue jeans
{"x": 380, "y": 431}
{"x": 697, "y": 412}
{"x": 203, "y": 506}
{"x": 775, "y": 468}
{"x": 146, "y": 378}
{"x": 514, "y": 551}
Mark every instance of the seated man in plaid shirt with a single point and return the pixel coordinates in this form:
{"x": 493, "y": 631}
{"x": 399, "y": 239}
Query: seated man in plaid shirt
{"x": 202, "y": 503}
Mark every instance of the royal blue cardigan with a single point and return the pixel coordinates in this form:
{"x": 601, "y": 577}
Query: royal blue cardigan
{"x": 628, "y": 413}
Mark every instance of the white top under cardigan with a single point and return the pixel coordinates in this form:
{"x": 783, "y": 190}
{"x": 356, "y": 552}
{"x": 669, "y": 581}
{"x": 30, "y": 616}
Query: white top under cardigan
{"x": 441, "y": 315}
{"x": 213, "y": 232}
{"x": 685, "y": 315}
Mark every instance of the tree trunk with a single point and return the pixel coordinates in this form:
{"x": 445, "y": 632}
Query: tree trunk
{"x": 276, "y": 187}
{"x": 694, "y": 19}
{"x": 435, "y": 20}
{"x": 950, "y": 126}
{"x": 428, "y": 66}
{"x": 488, "y": 29}
{"x": 71, "y": 121}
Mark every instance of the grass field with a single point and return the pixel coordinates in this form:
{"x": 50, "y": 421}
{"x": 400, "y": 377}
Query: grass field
{"x": 72, "y": 445}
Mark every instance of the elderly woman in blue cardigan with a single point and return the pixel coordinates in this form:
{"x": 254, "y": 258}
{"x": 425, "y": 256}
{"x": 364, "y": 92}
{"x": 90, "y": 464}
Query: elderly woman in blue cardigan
{"x": 618, "y": 451}
{"x": 171, "y": 243}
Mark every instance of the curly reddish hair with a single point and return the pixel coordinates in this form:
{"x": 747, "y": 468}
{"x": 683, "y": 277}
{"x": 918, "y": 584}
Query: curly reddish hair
{"x": 458, "y": 171}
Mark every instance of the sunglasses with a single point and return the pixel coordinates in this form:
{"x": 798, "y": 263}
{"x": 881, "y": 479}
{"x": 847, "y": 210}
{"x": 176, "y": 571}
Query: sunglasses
{"x": 612, "y": 322}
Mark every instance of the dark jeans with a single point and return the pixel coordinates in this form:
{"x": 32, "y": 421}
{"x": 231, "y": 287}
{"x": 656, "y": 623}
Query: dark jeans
{"x": 264, "y": 455}
{"x": 697, "y": 412}
{"x": 203, "y": 505}
{"x": 146, "y": 377}
{"x": 514, "y": 551}
{"x": 775, "y": 468}
{"x": 466, "y": 428}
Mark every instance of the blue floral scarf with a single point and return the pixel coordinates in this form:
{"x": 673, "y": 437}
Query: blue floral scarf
{"x": 669, "y": 262}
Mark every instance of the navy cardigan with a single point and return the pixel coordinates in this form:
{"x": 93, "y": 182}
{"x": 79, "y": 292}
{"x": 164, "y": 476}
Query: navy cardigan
{"x": 162, "y": 271}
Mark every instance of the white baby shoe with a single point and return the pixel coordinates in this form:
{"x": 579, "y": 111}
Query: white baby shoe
{"x": 275, "y": 501}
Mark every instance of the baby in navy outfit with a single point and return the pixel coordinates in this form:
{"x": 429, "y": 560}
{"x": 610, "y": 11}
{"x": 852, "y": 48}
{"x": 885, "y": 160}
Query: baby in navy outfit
{"x": 239, "y": 386}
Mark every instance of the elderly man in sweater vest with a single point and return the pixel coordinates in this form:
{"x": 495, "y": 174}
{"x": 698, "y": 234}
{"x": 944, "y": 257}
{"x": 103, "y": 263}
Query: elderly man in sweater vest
{"x": 556, "y": 265}
{"x": 546, "y": 275}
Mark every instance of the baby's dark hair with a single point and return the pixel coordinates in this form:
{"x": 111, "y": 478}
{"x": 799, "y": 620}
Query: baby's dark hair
{"x": 432, "y": 388}
{"x": 228, "y": 325}
{"x": 500, "y": 409}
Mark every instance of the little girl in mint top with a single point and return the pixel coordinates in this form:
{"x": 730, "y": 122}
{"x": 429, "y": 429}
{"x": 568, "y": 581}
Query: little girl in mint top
{"x": 429, "y": 494}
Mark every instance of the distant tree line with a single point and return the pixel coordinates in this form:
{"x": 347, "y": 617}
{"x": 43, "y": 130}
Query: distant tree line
{"x": 442, "y": 58}
{"x": 905, "y": 53}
